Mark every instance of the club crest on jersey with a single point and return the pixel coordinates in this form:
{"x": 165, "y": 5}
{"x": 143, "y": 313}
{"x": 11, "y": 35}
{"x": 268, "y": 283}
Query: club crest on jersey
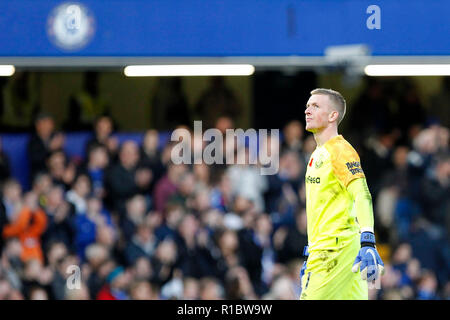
{"x": 319, "y": 162}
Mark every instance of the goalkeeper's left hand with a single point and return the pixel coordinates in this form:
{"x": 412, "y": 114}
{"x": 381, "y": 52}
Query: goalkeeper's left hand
{"x": 303, "y": 269}
{"x": 368, "y": 260}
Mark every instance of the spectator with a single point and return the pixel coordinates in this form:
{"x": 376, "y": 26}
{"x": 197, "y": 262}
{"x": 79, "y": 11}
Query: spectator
{"x": 281, "y": 289}
{"x": 280, "y": 196}
{"x": 151, "y": 156}
{"x": 172, "y": 217}
{"x": 163, "y": 261}
{"x": 142, "y": 290}
{"x": 125, "y": 179}
{"x": 55, "y": 252}
{"x": 292, "y": 271}
{"x": 107, "y": 236}
{"x": 234, "y": 220}
{"x": 28, "y": 225}
{"x": 136, "y": 210}
{"x": 376, "y": 156}
{"x": 173, "y": 289}
{"x": 100, "y": 265}
{"x": 211, "y": 289}
{"x": 10, "y": 203}
{"x": 247, "y": 181}
{"x": 142, "y": 269}
{"x": 406, "y": 182}
{"x": 436, "y": 190}
{"x": 201, "y": 201}
{"x": 103, "y": 136}
{"x": 238, "y": 285}
{"x": 77, "y": 294}
{"x": 290, "y": 239}
{"x": 191, "y": 288}
{"x": 38, "y": 293}
{"x": 34, "y": 276}
{"x": 61, "y": 172}
{"x": 263, "y": 238}
{"x": 95, "y": 167}
{"x": 167, "y": 186}
{"x": 78, "y": 193}
{"x": 143, "y": 244}
{"x": 293, "y": 137}
{"x": 229, "y": 254}
{"x": 60, "y": 213}
{"x": 221, "y": 193}
{"x": 7, "y": 292}
{"x": 194, "y": 259}
{"x": 12, "y": 265}
{"x": 42, "y": 183}
{"x": 86, "y": 225}
{"x": 427, "y": 288}
{"x": 12, "y": 197}
{"x": 185, "y": 190}
{"x": 43, "y": 142}
{"x": 116, "y": 286}
{"x": 60, "y": 278}
{"x": 431, "y": 248}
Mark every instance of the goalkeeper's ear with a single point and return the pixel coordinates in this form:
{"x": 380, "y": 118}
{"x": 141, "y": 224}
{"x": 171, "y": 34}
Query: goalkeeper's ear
{"x": 333, "y": 116}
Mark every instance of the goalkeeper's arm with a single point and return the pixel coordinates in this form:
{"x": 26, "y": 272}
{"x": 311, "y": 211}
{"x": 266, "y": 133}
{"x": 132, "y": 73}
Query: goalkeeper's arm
{"x": 360, "y": 193}
{"x": 368, "y": 260}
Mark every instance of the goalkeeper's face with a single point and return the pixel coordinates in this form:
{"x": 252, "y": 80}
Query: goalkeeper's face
{"x": 317, "y": 113}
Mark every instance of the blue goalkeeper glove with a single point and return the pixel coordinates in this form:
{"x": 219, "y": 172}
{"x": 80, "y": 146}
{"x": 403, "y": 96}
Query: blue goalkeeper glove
{"x": 368, "y": 260}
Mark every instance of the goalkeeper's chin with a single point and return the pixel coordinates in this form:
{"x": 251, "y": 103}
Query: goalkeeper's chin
{"x": 310, "y": 129}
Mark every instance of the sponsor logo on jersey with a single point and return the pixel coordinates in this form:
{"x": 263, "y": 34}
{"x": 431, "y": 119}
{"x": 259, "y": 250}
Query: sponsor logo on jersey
{"x": 354, "y": 167}
{"x": 310, "y": 179}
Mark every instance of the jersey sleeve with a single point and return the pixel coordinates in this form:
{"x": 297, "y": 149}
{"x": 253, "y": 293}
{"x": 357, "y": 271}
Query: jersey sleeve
{"x": 345, "y": 162}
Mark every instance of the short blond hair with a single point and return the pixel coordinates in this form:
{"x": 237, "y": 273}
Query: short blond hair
{"x": 336, "y": 98}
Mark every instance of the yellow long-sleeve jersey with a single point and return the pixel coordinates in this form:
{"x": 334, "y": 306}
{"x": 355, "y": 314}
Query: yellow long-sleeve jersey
{"x": 331, "y": 218}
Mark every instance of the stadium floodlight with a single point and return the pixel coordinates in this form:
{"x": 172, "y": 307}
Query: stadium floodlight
{"x": 189, "y": 70}
{"x": 7, "y": 70}
{"x": 407, "y": 70}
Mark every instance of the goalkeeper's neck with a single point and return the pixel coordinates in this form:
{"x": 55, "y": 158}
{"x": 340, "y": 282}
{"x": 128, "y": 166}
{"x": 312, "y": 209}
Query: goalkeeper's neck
{"x": 322, "y": 136}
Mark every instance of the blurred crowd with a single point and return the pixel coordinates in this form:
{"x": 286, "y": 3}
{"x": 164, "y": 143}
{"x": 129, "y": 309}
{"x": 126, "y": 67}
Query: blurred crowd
{"x": 127, "y": 223}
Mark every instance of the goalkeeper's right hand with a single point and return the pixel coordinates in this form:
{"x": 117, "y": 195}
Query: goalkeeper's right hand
{"x": 368, "y": 261}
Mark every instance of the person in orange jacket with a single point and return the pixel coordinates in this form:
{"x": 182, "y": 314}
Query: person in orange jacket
{"x": 28, "y": 225}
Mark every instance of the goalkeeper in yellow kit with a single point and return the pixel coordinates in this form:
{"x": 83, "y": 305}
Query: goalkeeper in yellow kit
{"x": 341, "y": 253}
